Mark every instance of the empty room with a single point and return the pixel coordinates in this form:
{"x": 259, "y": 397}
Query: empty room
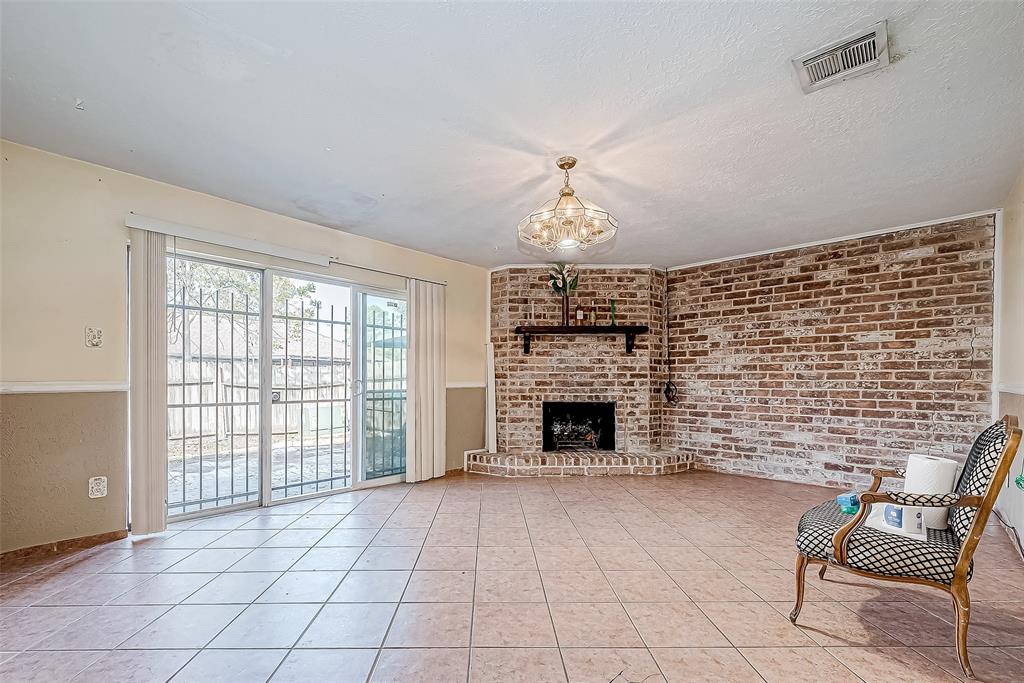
{"x": 487, "y": 342}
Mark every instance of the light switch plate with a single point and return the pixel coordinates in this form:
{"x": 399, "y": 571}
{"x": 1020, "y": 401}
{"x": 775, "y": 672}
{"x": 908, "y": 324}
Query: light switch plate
{"x": 93, "y": 337}
{"x": 97, "y": 487}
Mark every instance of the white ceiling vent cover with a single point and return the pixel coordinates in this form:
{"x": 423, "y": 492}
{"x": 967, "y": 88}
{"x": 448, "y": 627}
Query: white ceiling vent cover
{"x": 845, "y": 58}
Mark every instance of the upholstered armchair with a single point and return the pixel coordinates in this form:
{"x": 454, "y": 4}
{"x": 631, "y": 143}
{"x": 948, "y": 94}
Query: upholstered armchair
{"x": 828, "y": 537}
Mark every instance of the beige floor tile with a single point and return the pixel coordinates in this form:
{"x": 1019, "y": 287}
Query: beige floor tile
{"x": 887, "y": 664}
{"x": 512, "y": 625}
{"x": 209, "y": 560}
{"x": 46, "y": 667}
{"x": 103, "y": 629}
{"x": 295, "y": 538}
{"x": 399, "y": 537}
{"x": 776, "y": 585}
{"x": 506, "y": 558}
{"x": 360, "y": 625}
{"x": 302, "y": 587}
{"x": 360, "y": 521}
{"x": 990, "y": 664}
{"x": 266, "y": 626}
{"x": 645, "y": 586}
{"x": 623, "y": 558}
{"x": 910, "y": 624}
{"x": 797, "y": 665}
{"x": 238, "y": 588}
{"x": 26, "y": 627}
{"x": 509, "y": 586}
{"x": 712, "y": 586}
{"x": 585, "y": 665}
{"x": 466, "y": 536}
{"x": 833, "y": 624}
{"x": 555, "y": 536}
{"x": 680, "y": 624}
{"x": 686, "y": 558}
{"x": 270, "y": 521}
{"x": 329, "y": 559}
{"x": 437, "y": 665}
{"x": 268, "y": 560}
{"x": 385, "y": 558}
{"x": 516, "y": 665}
{"x": 593, "y": 625}
{"x": 164, "y": 589}
{"x": 705, "y": 665}
{"x": 336, "y": 666}
{"x": 430, "y": 625}
{"x": 244, "y": 538}
{"x": 571, "y": 558}
{"x": 230, "y": 666}
{"x": 514, "y": 536}
{"x": 150, "y": 561}
{"x": 184, "y": 626}
{"x": 740, "y": 558}
{"x": 95, "y": 589}
{"x": 447, "y": 558}
{"x": 371, "y": 586}
{"x": 754, "y": 624}
{"x": 135, "y": 666}
{"x": 316, "y": 521}
{"x": 440, "y": 586}
{"x": 346, "y": 537}
{"x": 577, "y": 586}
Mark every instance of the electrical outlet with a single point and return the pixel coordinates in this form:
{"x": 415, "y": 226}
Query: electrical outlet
{"x": 93, "y": 337}
{"x": 97, "y": 487}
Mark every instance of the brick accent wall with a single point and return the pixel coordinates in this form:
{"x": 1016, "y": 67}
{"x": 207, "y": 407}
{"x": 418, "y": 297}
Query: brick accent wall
{"x": 584, "y": 368}
{"x": 818, "y": 364}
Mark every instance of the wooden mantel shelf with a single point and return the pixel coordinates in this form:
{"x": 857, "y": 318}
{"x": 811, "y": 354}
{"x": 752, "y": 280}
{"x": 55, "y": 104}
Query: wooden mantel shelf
{"x": 628, "y": 331}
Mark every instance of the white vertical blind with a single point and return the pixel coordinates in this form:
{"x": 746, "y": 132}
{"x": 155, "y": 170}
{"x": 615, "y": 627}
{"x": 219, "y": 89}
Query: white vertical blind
{"x": 425, "y": 424}
{"x": 148, "y": 399}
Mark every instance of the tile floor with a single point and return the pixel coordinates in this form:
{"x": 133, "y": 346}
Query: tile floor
{"x": 625, "y": 579}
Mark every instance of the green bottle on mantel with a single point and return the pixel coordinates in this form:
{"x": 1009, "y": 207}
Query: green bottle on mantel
{"x": 613, "y": 312}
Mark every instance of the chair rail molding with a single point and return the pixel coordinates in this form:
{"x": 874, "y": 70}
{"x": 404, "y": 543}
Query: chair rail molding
{"x": 62, "y": 387}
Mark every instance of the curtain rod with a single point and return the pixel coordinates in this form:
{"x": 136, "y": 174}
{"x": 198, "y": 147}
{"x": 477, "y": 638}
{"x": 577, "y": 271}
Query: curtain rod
{"x": 134, "y": 220}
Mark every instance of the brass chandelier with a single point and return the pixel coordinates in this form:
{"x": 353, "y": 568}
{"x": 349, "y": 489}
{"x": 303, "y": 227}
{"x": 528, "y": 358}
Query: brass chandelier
{"x": 568, "y": 222}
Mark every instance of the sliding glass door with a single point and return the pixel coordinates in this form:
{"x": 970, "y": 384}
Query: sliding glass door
{"x": 383, "y": 385}
{"x": 311, "y": 403}
{"x": 280, "y": 385}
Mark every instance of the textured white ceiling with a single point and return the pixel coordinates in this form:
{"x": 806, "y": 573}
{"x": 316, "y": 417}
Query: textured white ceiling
{"x": 436, "y": 126}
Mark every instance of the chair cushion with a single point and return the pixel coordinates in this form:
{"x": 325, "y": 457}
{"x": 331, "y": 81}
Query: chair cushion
{"x": 877, "y": 551}
{"x": 979, "y": 468}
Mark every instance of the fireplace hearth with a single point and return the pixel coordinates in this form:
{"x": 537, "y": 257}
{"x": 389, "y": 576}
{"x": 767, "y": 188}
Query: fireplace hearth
{"x": 577, "y": 425}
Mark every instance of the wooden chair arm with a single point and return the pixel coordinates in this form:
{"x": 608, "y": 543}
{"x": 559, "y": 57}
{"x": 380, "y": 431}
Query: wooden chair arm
{"x": 841, "y": 538}
{"x": 880, "y": 474}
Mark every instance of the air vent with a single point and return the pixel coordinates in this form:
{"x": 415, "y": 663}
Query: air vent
{"x": 851, "y": 56}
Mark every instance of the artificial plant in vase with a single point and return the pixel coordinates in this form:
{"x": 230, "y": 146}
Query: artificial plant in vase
{"x": 563, "y": 278}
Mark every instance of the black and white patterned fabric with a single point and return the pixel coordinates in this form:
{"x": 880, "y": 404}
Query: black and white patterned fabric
{"x": 925, "y": 500}
{"x": 878, "y": 551}
{"x": 978, "y": 470}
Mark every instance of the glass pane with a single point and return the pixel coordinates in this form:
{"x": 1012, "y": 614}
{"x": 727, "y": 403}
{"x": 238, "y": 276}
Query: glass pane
{"x": 213, "y": 378}
{"x": 384, "y": 366}
{"x": 311, "y": 446}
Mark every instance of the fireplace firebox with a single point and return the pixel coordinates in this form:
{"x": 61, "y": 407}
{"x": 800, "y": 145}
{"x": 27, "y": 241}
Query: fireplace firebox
{"x": 570, "y": 425}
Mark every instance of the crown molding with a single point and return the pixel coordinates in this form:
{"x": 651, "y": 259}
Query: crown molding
{"x": 581, "y": 266}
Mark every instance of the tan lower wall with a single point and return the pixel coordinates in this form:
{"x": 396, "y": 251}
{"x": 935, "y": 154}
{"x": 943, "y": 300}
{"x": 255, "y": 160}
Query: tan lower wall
{"x": 50, "y": 444}
{"x": 465, "y": 422}
{"x": 1011, "y": 499}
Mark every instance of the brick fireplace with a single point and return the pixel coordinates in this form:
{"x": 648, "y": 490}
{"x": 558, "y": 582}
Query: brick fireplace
{"x": 814, "y": 364}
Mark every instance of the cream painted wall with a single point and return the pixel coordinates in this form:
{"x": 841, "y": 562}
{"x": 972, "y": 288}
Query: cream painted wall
{"x": 1011, "y": 309}
{"x": 1011, "y": 340}
{"x": 64, "y": 265}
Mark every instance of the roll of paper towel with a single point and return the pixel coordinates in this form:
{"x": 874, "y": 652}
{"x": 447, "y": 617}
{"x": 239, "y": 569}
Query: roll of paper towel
{"x": 931, "y": 474}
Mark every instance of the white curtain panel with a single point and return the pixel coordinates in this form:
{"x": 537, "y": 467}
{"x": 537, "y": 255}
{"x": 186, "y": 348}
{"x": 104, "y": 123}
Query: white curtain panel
{"x": 425, "y": 421}
{"x": 148, "y": 397}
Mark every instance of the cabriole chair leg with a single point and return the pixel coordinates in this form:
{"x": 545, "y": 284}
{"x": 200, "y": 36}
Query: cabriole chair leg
{"x": 821, "y": 572}
{"x": 962, "y": 606}
{"x": 801, "y": 568}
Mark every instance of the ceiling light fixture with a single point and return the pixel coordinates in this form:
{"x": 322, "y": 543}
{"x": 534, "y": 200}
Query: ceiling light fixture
{"x": 568, "y": 222}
